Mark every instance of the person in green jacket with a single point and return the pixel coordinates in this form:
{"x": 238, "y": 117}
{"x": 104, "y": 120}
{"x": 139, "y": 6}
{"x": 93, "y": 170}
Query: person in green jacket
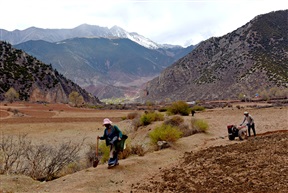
{"x": 112, "y": 135}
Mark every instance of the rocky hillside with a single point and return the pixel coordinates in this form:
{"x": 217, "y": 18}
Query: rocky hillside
{"x": 99, "y": 64}
{"x": 251, "y": 58}
{"x": 34, "y": 80}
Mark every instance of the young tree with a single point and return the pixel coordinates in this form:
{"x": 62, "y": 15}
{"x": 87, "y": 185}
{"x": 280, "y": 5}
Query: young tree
{"x": 75, "y": 98}
{"x": 11, "y": 95}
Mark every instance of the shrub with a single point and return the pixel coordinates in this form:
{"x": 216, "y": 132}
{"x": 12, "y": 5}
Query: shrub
{"x": 75, "y": 98}
{"x": 11, "y": 95}
{"x": 136, "y": 123}
{"x": 133, "y": 115}
{"x": 164, "y": 133}
{"x": 241, "y": 97}
{"x": 199, "y": 125}
{"x": 137, "y": 150}
{"x": 150, "y": 117}
{"x": 174, "y": 121}
{"x": 125, "y": 153}
{"x": 184, "y": 128}
{"x": 162, "y": 109}
{"x": 179, "y": 107}
{"x": 71, "y": 168}
{"x": 198, "y": 108}
{"x": 264, "y": 95}
{"x": 40, "y": 162}
{"x": 130, "y": 150}
{"x": 104, "y": 152}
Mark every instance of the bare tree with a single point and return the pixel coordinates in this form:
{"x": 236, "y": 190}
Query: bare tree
{"x": 45, "y": 162}
{"x": 12, "y": 151}
{"x": 41, "y": 162}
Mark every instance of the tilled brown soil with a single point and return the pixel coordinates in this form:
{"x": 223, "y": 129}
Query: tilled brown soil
{"x": 257, "y": 165}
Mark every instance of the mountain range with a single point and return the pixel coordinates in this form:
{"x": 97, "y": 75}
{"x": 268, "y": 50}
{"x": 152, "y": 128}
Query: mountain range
{"x": 250, "y": 58}
{"x": 84, "y": 30}
{"x": 106, "y": 62}
{"x": 100, "y": 64}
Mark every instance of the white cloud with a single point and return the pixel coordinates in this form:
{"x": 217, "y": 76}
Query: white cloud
{"x": 163, "y": 21}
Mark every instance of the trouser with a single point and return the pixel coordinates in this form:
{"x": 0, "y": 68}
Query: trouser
{"x": 113, "y": 157}
{"x": 112, "y": 151}
{"x": 112, "y": 147}
{"x": 251, "y": 127}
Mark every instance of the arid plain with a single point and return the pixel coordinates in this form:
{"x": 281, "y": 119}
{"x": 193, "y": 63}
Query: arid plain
{"x": 57, "y": 123}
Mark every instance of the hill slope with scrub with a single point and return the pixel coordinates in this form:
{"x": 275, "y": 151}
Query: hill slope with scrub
{"x": 34, "y": 80}
{"x": 248, "y": 60}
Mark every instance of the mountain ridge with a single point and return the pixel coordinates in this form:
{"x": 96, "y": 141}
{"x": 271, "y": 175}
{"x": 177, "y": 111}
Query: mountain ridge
{"x": 83, "y": 30}
{"x": 34, "y": 80}
{"x": 250, "y": 58}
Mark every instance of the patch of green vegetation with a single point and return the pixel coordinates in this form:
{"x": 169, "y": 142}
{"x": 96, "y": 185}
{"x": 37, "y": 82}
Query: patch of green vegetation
{"x": 150, "y": 117}
{"x": 114, "y": 100}
{"x": 199, "y": 125}
{"x": 197, "y": 108}
{"x": 166, "y": 133}
{"x": 179, "y": 107}
{"x": 104, "y": 152}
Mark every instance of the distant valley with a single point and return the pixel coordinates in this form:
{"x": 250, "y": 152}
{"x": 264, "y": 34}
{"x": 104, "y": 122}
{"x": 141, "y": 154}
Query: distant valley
{"x": 106, "y": 62}
{"x": 115, "y": 67}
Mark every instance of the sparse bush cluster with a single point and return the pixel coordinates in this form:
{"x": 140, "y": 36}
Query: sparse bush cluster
{"x": 174, "y": 121}
{"x": 179, "y": 107}
{"x": 76, "y": 99}
{"x": 40, "y": 162}
{"x": 131, "y": 150}
{"x": 133, "y": 115}
{"x": 196, "y": 125}
{"x": 150, "y": 117}
{"x": 197, "y": 108}
{"x": 104, "y": 152}
{"x": 136, "y": 123}
{"x": 137, "y": 150}
{"x": 166, "y": 133}
{"x": 273, "y": 92}
{"x": 162, "y": 109}
{"x": 199, "y": 125}
{"x": 11, "y": 95}
{"x": 186, "y": 130}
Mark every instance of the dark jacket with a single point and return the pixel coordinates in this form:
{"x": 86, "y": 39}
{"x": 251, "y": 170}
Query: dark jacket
{"x": 109, "y": 137}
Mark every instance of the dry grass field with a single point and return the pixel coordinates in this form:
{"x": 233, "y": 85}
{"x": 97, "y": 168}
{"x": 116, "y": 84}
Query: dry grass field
{"x": 193, "y": 164}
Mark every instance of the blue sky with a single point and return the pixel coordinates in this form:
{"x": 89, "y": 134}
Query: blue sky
{"x": 179, "y": 22}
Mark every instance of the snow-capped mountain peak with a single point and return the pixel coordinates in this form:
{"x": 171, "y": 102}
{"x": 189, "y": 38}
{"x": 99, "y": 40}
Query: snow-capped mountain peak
{"x": 83, "y": 30}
